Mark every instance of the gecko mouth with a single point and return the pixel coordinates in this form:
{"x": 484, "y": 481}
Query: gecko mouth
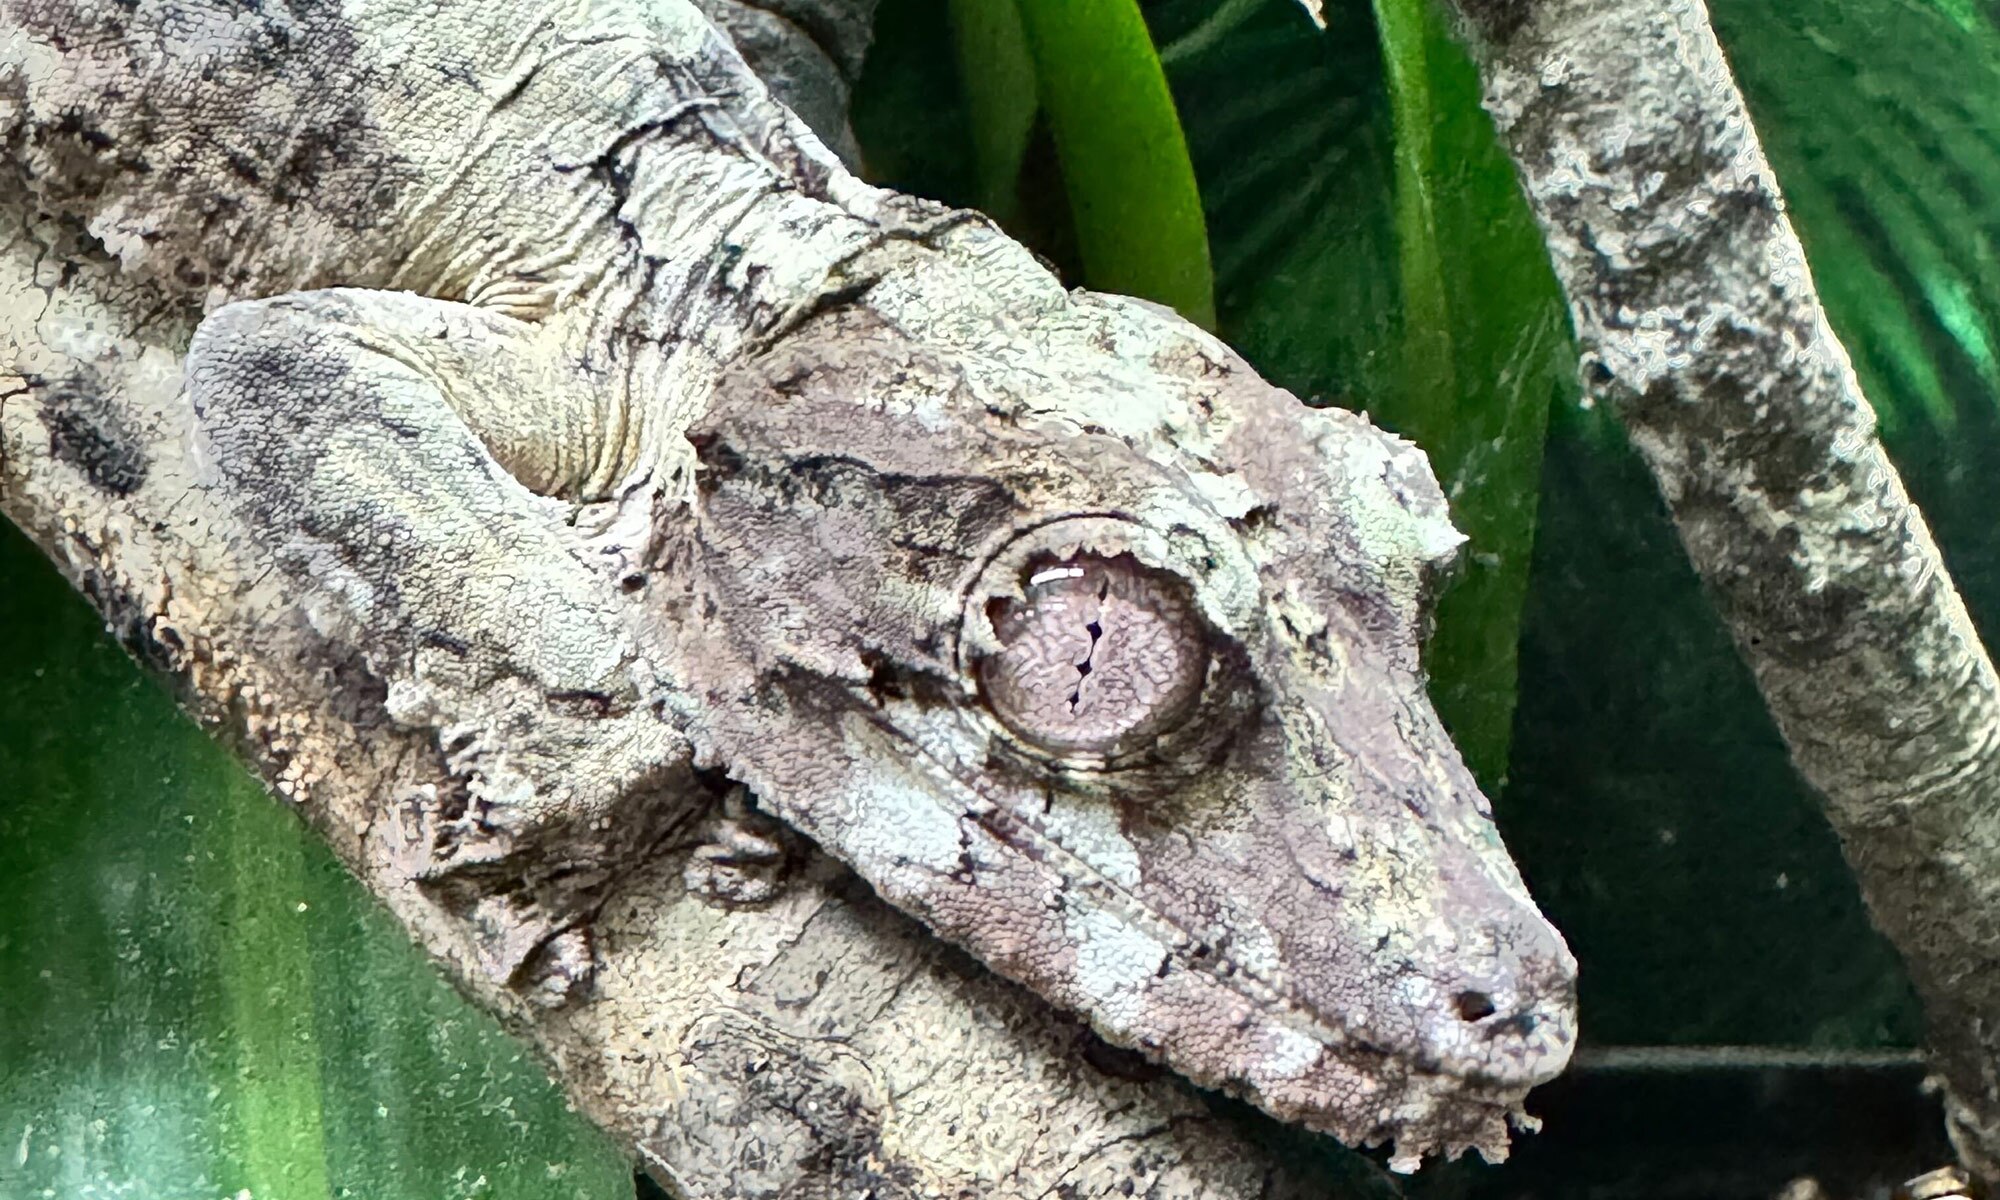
{"x": 1525, "y": 1046}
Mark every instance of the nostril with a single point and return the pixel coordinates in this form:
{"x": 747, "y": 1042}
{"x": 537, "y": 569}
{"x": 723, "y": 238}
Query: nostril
{"x": 1473, "y": 1006}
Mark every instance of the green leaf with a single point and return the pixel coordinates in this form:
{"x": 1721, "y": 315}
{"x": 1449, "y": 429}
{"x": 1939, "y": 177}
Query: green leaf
{"x": 1372, "y": 249}
{"x": 199, "y": 1000}
{"x": 1882, "y": 119}
{"x": 997, "y": 72}
{"x": 1132, "y": 193}
{"x": 1485, "y": 349}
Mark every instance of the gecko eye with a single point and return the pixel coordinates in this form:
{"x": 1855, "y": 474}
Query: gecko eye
{"x": 1100, "y": 656}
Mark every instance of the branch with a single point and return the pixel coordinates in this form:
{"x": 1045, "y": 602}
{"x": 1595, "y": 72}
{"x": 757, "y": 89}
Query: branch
{"x": 808, "y": 52}
{"x": 1699, "y": 322}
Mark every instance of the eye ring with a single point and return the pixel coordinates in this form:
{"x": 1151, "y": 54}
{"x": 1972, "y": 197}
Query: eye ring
{"x": 1099, "y": 657}
{"x": 1189, "y": 720}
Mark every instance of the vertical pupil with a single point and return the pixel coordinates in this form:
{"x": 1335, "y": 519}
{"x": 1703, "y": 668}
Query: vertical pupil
{"x": 1099, "y": 656}
{"x": 1096, "y": 631}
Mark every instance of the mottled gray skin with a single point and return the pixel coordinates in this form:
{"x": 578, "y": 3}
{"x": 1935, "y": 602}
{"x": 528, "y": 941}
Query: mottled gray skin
{"x": 548, "y": 318}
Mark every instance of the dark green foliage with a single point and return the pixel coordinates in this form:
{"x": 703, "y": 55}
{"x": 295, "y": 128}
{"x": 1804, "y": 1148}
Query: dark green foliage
{"x": 1653, "y": 807}
{"x": 1002, "y": 98}
{"x": 198, "y": 998}
{"x": 1882, "y": 120}
{"x": 1372, "y": 250}
{"x": 909, "y": 111}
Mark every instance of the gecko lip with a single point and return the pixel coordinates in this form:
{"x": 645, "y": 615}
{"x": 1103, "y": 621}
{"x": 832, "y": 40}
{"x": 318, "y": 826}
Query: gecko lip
{"x": 1501, "y": 1021}
{"x": 1496, "y": 1023}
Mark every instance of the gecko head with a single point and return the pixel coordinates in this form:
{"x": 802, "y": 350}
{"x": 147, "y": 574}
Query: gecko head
{"x": 1107, "y": 667}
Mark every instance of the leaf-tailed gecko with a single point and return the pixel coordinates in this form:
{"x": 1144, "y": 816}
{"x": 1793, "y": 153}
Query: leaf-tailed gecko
{"x": 570, "y": 383}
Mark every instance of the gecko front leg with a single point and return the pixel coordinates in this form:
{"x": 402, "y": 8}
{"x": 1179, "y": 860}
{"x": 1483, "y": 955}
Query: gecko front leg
{"x": 744, "y": 855}
{"x": 363, "y": 434}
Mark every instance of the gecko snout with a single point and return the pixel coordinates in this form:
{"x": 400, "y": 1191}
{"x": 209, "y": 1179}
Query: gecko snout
{"x": 1505, "y": 1036}
{"x": 1507, "y": 1011}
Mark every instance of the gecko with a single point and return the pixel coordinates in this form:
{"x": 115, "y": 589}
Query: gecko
{"x": 616, "y": 430}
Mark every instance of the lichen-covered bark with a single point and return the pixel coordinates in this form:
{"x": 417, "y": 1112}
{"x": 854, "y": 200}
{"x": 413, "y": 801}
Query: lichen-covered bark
{"x": 809, "y": 52}
{"x": 1699, "y": 322}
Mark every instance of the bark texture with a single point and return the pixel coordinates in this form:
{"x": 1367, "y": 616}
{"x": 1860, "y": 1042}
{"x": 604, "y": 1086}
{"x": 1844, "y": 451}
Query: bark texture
{"x": 809, "y": 52}
{"x": 1698, "y": 320}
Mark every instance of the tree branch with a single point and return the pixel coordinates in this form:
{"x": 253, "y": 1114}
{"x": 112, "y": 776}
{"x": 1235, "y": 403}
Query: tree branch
{"x": 808, "y": 52}
{"x": 1699, "y": 322}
